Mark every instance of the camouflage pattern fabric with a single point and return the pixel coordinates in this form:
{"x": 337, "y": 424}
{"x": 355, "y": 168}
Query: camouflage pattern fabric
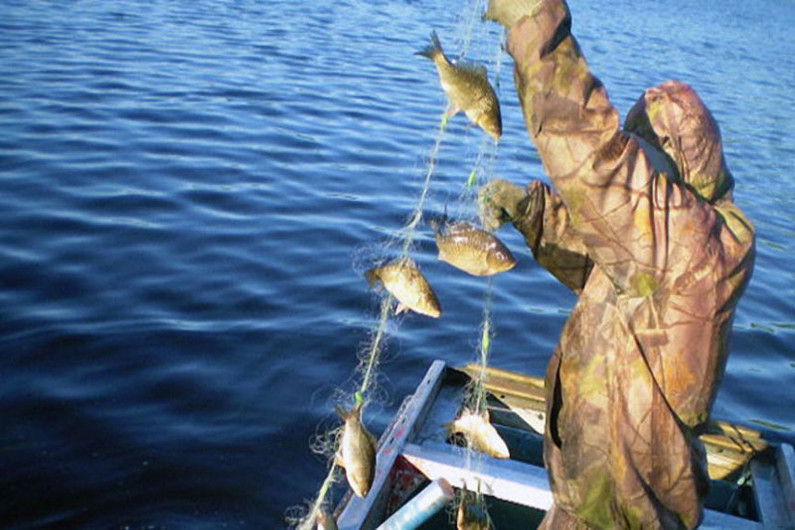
{"x": 640, "y": 223}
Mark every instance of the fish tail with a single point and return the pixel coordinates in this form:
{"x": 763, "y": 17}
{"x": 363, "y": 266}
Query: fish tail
{"x": 357, "y": 409}
{"x": 341, "y": 412}
{"x": 490, "y": 13}
{"x": 355, "y": 412}
{"x": 437, "y": 222}
{"x": 372, "y": 276}
{"x": 434, "y": 50}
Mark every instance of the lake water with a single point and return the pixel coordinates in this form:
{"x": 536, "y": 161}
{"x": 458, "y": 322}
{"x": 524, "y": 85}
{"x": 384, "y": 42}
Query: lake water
{"x": 191, "y": 191}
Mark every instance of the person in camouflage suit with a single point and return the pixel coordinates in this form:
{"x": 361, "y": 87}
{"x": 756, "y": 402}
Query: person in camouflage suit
{"x": 640, "y": 224}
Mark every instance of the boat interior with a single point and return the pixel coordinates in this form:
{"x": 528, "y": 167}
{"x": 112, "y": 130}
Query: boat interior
{"x": 752, "y": 478}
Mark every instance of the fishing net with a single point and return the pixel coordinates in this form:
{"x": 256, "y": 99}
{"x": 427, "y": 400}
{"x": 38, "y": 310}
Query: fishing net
{"x": 397, "y": 246}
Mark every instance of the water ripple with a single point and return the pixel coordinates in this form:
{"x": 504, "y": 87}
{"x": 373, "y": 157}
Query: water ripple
{"x": 192, "y": 190}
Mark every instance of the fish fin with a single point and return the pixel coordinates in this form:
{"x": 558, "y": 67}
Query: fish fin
{"x": 475, "y": 68}
{"x": 445, "y": 220}
{"x": 449, "y": 428}
{"x": 433, "y": 50}
{"x": 437, "y": 222}
{"x": 489, "y": 14}
{"x": 338, "y": 460}
{"x": 357, "y": 409}
{"x": 341, "y": 412}
{"x": 406, "y": 261}
{"x": 473, "y": 115}
{"x": 493, "y": 12}
{"x": 451, "y": 110}
{"x": 401, "y": 308}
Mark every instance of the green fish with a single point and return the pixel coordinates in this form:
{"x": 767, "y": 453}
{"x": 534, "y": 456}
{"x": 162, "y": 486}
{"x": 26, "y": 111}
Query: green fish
{"x": 468, "y": 89}
{"x": 356, "y": 452}
{"x": 405, "y": 282}
{"x": 472, "y": 250}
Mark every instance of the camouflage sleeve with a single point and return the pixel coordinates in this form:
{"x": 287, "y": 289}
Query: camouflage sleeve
{"x": 601, "y": 174}
{"x": 544, "y": 223}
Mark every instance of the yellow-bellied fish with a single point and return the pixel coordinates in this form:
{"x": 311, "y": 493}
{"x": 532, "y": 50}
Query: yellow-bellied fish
{"x": 480, "y": 433}
{"x": 356, "y": 452}
{"x": 472, "y": 250}
{"x": 508, "y": 12}
{"x": 404, "y": 280}
{"x": 468, "y": 89}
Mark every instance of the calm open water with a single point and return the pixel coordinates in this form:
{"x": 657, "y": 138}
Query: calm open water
{"x": 190, "y": 191}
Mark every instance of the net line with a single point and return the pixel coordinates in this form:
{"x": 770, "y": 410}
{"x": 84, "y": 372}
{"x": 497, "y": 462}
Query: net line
{"x": 374, "y": 349}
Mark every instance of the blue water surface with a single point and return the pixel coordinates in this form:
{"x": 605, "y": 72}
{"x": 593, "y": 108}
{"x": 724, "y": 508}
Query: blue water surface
{"x": 190, "y": 191}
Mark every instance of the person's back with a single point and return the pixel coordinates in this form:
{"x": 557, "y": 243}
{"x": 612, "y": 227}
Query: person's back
{"x": 659, "y": 261}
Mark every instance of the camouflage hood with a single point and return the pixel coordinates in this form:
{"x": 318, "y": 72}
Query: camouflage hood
{"x": 630, "y": 384}
{"x": 673, "y": 119}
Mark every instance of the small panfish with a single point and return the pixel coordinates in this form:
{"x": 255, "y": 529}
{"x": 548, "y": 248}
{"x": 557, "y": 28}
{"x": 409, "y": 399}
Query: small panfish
{"x": 472, "y": 513}
{"x": 472, "y": 250}
{"x": 405, "y": 282}
{"x": 467, "y": 87}
{"x": 480, "y": 434}
{"x": 356, "y": 452}
{"x": 325, "y": 521}
{"x": 508, "y": 12}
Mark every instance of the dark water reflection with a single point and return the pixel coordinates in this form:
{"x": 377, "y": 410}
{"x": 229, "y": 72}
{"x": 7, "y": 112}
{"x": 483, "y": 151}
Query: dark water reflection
{"x": 191, "y": 191}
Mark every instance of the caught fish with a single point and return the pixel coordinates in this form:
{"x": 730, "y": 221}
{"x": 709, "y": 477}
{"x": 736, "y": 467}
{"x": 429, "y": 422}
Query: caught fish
{"x": 472, "y": 513}
{"x": 472, "y": 250}
{"x": 467, "y": 88}
{"x": 356, "y": 453}
{"x": 405, "y": 282}
{"x": 325, "y": 521}
{"x": 508, "y": 12}
{"x": 480, "y": 433}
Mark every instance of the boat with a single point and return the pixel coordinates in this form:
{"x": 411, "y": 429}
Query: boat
{"x": 752, "y": 478}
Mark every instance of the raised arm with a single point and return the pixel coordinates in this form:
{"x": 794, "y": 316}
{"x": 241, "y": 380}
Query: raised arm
{"x": 611, "y": 191}
{"x": 545, "y": 225}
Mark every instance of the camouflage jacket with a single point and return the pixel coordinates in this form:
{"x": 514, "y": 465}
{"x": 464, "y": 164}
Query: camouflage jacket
{"x": 641, "y": 225}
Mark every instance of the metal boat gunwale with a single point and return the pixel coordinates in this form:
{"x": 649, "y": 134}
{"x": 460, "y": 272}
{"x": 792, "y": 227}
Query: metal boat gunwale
{"x": 413, "y": 450}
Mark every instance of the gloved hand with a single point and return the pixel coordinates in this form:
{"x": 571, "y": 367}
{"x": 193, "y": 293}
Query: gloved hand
{"x": 508, "y": 12}
{"x": 499, "y": 202}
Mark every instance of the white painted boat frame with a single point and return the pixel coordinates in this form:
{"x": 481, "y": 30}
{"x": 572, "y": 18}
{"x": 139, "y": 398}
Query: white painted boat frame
{"x": 772, "y": 469}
